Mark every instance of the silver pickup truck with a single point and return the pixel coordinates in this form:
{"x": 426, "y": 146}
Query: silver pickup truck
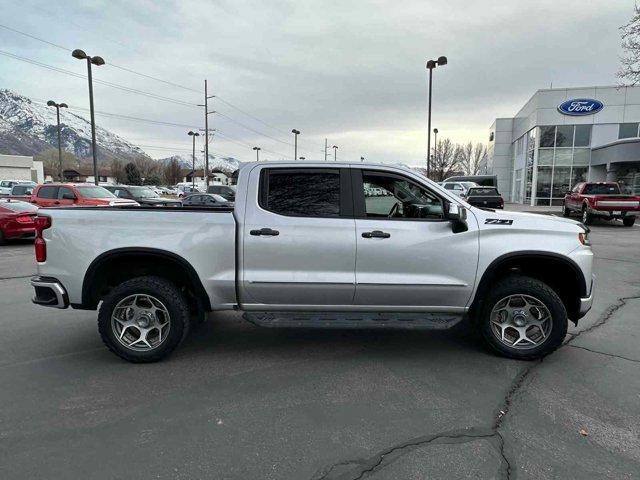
{"x": 310, "y": 245}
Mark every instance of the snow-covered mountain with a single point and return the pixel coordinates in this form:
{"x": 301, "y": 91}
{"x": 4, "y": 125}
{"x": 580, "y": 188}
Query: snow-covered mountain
{"x": 28, "y": 128}
{"x": 226, "y": 165}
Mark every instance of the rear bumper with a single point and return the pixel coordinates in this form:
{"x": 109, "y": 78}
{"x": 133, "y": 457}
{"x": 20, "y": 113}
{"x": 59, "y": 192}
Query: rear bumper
{"x": 49, "y": 292}
{"x": 587, "y": 302}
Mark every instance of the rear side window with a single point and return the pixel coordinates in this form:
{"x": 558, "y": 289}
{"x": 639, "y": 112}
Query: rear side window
{"x": 48, "y": 192}
{"x": 483, "y": 191}
{"x": 304, "y": 193}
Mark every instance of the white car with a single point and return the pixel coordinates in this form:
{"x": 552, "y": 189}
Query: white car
{"x": 7, "y": 185}
{"x": 458, "y": 188}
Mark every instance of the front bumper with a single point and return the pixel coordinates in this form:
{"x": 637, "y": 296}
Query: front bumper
{"x": 587, "y": 302}
{"x": 49, "y": 292}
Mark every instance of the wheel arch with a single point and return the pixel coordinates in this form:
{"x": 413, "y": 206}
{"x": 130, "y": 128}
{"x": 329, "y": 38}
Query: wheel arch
{"x": 103, "y": 273}
{"x": 559, "y": 272}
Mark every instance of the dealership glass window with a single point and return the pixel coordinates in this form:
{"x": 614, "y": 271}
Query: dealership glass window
{"x": 531, "y": 150}
{"x": 564, "y": 136}
{"x": 583, "y": 136}
{"x": 581, "y": 156}
{"x": 561, "y": 182}
{"x": 579, "y": 174}
{"x": 628, "y": 130}
{"x": 563, "y": 157}
{"x": 517, "y": 189}
{"x": 543, "y": 186}
{"x": 547, "y": 136}
{"x": 545, "y": 156}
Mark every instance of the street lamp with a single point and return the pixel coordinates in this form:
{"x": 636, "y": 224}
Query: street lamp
{"x": 295, "y": 148}
{"x": 431, "y": 64}
{"x": 257, "y": 149}
{"x": 58, "y": 106}
{"x": 435, "y": 144}
{"x": 193, "y": 171}
{"x": 362, "y": 159}
{"x": 335, "y": 155}
{"x": 302, "y": 158}
{"x": 97, "y": 61}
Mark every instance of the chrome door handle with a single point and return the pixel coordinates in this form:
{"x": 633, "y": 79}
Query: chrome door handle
{"x": 376, "y": 234}
{"x": 265, "y": 231}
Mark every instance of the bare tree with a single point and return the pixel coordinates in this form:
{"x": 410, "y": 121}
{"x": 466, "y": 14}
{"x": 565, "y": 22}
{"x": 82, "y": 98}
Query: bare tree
{"x": 445, "y": 160}
{"x": 117, "y": 171}
{"x": 50, "y": 160}
{"x": 629, "y": 72}
{"x": 147, "y": 167}
{"x": 171, "y": 172}
{"x": 470, "y": 157}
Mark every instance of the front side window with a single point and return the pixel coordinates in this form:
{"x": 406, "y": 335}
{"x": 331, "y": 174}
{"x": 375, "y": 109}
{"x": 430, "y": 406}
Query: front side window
{"x": 301, "y": 193}
{"x": 95, "y": 192}
{"x": 394, "y": 197}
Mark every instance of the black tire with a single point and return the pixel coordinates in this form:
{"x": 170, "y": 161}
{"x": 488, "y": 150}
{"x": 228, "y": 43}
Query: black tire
{"x": 162, "y": 290}
{"x": 587, "y": 218}
{"x": 522, "y": 285}
{"x": 629, "y": 221}
{"x": 2, "y": 239}
{"x": 565, "y": 211}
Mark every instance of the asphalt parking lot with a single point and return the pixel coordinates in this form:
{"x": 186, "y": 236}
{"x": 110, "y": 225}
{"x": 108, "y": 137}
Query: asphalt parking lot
{"x": 236, "y": 401}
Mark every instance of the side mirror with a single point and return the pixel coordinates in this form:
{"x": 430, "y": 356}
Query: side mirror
{"x": 457, "y": 215}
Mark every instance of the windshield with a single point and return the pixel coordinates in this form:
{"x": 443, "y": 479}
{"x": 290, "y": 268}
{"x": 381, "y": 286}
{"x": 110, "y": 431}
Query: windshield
{"x": 6, "y": 183}
{"x": 469, "y": 184}
{"x": 95, "y": 192}
{"x": 601, "y": 189}
{"x": 19, "y": 206}
{"x": 143, "y": 192}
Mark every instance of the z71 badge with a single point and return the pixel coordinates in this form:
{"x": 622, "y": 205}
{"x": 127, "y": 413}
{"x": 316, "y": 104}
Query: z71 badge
{"x": 497, "y": 221}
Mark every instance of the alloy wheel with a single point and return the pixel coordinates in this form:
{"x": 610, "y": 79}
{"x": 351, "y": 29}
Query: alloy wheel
{"x": 140, "y": 322}
{"x": 521, "y": 322}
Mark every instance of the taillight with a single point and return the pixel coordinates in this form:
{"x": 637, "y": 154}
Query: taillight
{"x": 25, "y": 219}
{"x": 42, "y": 223}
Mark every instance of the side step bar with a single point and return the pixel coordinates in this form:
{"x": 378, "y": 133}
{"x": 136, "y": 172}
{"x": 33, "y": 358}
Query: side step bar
{"x": 404, "y": 321}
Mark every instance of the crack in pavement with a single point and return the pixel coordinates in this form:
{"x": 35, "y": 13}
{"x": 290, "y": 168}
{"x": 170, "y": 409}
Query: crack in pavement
{"x": 387, "y": 456}
{"x": 621, "y": 357}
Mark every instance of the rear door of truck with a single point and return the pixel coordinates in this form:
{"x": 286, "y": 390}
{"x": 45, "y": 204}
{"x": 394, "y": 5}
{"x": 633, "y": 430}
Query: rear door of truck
{"x": 299, "y": 244}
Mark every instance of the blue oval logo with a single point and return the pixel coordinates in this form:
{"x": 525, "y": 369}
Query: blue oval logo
{"x": 580, "y": 106}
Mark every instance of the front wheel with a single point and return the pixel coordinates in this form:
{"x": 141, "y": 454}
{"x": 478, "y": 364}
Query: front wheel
{"x": 143, "y": 319}
{"x": 522, "y": 318}
{"x": 629, "y": 221}
{"x": 587, "y": 218}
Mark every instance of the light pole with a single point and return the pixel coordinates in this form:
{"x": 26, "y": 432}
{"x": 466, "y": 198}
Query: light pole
{"x": 435, "y": 144}
{"x": 302, "y": 158}
{"x": 97, "y": 61}
{"x": 295, "y": 147}
{"x": 193, "y": 171}
{"x": 58, "y": 106}
{"x": 335, "y": 155}
{"x": 257, "y": 149}
{"x": 431, "y": 64}
{"x": 362, "y": 159}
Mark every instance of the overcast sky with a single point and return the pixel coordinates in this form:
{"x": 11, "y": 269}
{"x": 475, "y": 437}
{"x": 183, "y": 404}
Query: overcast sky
{"x": 351, "y": 71}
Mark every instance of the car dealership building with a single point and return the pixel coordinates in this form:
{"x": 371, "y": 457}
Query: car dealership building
{"x": 563, "y": 136}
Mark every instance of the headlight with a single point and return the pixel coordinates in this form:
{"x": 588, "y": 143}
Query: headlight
{"x": 583, "y": 238}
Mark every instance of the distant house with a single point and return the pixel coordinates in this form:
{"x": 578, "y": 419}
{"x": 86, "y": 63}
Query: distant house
{"x": 80, "y": 174}
{"x": 18, "y": 167}
{"x": 216, "y": 177}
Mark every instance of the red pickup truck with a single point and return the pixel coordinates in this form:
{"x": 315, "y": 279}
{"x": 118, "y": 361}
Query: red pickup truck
{"x": 601, "y": 200}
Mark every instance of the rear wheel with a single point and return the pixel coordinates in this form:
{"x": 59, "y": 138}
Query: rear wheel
{"x": 565, "y": 211}
{"x": 143, "y": 319}
{"x": 523, "y": 318}
{"x": 587, "y": 218}
{"x": 629, "y": 221}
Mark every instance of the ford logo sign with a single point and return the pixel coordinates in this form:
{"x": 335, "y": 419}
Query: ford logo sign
{"x": 580, "y": 106}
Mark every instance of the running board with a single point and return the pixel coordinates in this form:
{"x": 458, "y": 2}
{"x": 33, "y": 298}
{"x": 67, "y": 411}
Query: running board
{"x": 399, "y": 320}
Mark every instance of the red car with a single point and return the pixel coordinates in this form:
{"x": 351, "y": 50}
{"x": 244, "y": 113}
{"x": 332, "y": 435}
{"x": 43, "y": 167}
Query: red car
{"x": 75, "y": 194}
{"x": 17, "y": 219}
{"x": 601, "y": 200}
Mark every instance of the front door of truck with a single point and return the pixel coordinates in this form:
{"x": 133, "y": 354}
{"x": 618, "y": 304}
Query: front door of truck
{"x": 299, "y": 244}
{"x": 407, "y": 253}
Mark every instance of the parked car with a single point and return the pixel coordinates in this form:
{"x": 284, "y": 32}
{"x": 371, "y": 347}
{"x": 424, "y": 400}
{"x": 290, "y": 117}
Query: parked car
{"x": 289, "y": 254}
{"x": 22, "y": 191}
{"x": 142, "y": 195}
{"x": 168, "y": 191}
{"x": 458, "y": 188}
{"x": 17, "y": 219}
{"x": 601, "y": 200}
{"x": 184, "y": 190}
{"x": 7, "y": 185}
{"x": 76, "y": 194}
{"x": 484, "y": 197}
{"x": 224, "y": 191}
{"x": 206, "y": 200}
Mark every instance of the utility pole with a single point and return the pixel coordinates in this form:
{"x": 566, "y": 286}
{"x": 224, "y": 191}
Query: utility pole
{"x": 193, "y": 171}
{"x": 325, "y": 149}
{"x": 206, "y": 132}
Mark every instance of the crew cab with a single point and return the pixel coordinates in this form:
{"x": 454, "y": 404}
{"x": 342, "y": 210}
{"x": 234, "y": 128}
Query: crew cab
{"x": 75, "y": 194}
{"x": 307, "y": 246}
{"x": 601, "y": 200}
{"x": 22, "y": 191}
{"x": 7, "y": 185}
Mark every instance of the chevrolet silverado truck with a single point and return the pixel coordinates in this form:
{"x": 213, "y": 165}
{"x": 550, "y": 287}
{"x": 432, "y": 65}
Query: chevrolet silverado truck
{"x": 601, "y": 200}
{"x": 310, "y": 246}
